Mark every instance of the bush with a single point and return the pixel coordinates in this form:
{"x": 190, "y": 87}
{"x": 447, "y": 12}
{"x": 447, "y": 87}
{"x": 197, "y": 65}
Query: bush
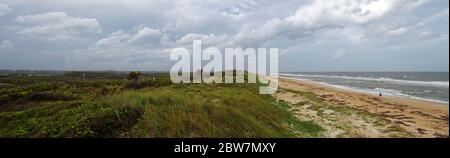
{"x": 47, "y": 96}
{"x": 158, "y": 82}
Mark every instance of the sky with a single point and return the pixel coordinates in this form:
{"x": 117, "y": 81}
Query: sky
{"x": 311, "y": 35}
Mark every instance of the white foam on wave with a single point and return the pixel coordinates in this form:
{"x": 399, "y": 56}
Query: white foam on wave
{"x": 382, "y": 79}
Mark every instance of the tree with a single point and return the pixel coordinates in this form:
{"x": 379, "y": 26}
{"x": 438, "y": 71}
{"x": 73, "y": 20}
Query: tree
{"x": 134, "y": 75}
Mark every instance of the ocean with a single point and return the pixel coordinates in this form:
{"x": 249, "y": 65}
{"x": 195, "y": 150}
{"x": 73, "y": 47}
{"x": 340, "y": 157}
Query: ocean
{"x": 430, "y": 86}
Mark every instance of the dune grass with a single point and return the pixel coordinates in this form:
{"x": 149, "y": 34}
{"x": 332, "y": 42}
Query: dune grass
{"x": 150, "y": 108}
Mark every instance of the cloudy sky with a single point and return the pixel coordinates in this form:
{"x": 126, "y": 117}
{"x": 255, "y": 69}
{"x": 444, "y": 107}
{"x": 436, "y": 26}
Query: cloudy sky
{"x": 312, "y": 35}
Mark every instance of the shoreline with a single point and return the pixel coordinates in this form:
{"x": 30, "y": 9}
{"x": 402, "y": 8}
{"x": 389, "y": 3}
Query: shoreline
{"x": 349, "y": 89}
{"x": 420, "y": 118}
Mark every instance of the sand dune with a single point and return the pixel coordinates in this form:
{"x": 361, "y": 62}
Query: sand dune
{"x": 403, "y": 117}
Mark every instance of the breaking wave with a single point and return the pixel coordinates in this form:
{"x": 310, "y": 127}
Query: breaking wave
{"x": 381, "y": 79}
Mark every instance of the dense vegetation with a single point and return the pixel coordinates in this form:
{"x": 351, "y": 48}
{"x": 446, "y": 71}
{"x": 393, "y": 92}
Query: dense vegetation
{"x": 108, "y": 105}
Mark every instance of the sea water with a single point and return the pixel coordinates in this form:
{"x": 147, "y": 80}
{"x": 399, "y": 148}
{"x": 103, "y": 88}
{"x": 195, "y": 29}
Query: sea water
{"x": 430, "y": 86}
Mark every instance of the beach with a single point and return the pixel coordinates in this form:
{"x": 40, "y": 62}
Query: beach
{"x": 400, "y": 117}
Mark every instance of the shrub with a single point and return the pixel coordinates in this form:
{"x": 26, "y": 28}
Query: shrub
{"x": 47, "y": 96}
{"x": 134, "y": 75}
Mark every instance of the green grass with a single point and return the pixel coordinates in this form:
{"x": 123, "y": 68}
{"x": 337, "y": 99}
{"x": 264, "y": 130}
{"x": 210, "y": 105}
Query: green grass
{"x": 307, "y": 95}
{"x": 62, "y": 119}
{"x": 315, "y": 104}
{"x": 301, "y": 128}
{"x": 105, "y": 106}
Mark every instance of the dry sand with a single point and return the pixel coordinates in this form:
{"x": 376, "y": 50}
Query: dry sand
{"x": 417, "y": 118}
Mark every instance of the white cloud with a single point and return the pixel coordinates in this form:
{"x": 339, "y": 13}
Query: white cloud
{"x": 425, "y": 34}
{"x": 118, "y": 57}
{"x": 310, "y": 28}
{"x": 207, "y": 40}
{"x": 4, "y": 9}
{"x": 339, "y": 12}
{"x": 145, "y": 35}
{"x": 57, "y": 25}
{"x": 142, "y": 45}
{"x": 114, "y": 39}
{"x": 266, "y": 31}
{"x": 140, "y": 36}
{"x": 339, "y": 54}
{"x": 439, "y": 16}
{"x": 6, "y": 44}
{"x": 398, "y": 32}
{"x": 320, "y": 14}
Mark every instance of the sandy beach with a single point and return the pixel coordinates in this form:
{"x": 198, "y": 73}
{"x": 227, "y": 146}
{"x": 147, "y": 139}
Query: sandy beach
{"x": 401, "y": 117}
